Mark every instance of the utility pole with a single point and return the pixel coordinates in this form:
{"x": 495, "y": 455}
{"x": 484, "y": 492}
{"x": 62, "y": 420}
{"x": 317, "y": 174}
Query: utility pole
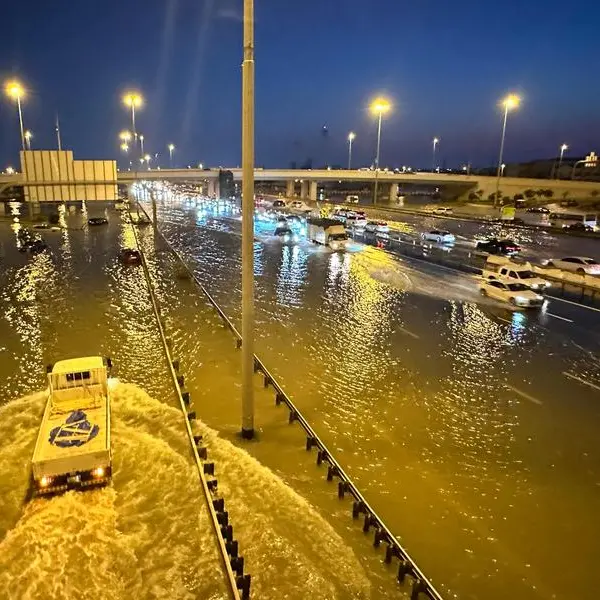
{"x": 57, "y": 128}
{"x": 248, "y": 223}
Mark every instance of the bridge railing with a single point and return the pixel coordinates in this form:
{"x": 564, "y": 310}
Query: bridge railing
{"x": 407, "y": 566}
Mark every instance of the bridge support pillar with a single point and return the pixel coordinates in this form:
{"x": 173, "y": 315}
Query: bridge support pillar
{"x": 290, "y": 191}
{"x": 213, "y": 188}
{"x": 313, "y": 190}
{"x": 303, "y": 189}
{"x": 393, "y": 193}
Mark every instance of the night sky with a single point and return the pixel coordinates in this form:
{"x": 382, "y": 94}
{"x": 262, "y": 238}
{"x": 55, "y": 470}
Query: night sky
{"x": 445, "y": 65}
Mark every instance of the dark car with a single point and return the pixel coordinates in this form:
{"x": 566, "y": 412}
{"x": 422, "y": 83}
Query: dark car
{"x": 494, "y": 246}
{"x": 578, "y": 227}
{"x": 97, "y": 221}
{"x": 278, "y": 204}
{"x": 129, "y": 256}
{"x": 285, "y": 234}
{"x": 538, "y": 209}
{"x": 33, "y": 244}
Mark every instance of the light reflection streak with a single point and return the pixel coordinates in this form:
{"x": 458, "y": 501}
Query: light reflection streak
{"x": 291, "y": 276}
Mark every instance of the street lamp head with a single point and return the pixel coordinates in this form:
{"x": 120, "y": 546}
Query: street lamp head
{"x": 351, "y": 136}
{"x": 171, "y": 147}
{"x": 14, "y": 90}
{"x": 564, "y": 147}
{"x": 380, "y": 106}
{"x": 125, "y": 147}
{"x": 142, "y": 138}
{"x": 132, "y": 99}
{"x": 511, "y": 102}
{"x": 436, "y": 141}
{"x": 28, "y": 135}
{"x": 147, "y": 158}
{"x": 125, "y": 136}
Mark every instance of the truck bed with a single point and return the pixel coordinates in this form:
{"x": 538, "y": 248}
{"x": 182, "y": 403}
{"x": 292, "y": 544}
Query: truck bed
{"x": 70, "y": 441}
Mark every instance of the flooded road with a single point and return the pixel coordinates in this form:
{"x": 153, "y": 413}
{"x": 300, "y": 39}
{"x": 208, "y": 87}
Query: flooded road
{"x": 147, "y": 535}
{"x": 471, "y": 428}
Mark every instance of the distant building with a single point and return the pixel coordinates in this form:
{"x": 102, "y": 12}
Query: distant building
{"x": 226, "y": 185}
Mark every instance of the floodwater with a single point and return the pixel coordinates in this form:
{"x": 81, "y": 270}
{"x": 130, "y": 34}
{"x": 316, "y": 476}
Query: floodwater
{"x": 147, "y": 535}
{"x": 471, "y": 428}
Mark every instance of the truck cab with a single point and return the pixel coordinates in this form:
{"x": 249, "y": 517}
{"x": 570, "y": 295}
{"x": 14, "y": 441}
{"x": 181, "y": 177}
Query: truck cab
{"x": 509, "y": 271}
{"x": 73, "y": 445}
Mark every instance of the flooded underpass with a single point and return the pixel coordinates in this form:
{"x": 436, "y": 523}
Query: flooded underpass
{"x": 460, "y": 421}
{"x": 148, "y": 534}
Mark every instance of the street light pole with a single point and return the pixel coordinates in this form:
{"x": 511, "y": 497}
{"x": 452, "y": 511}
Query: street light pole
{"x": 509, "y": 103}
{"x": 171, "y": 147}
{"x": 141, "y": 143}
{"x": 21, "y": 122}
{"x": 58, "y": 141}
{"x": 351, "y": 137}
{"x": 28, "y": 135}
{"x": 562, "y": 151}
{"x": 377, "y": 158}
{"x": 248, "y": 223}
{"x": 435, "y": 143}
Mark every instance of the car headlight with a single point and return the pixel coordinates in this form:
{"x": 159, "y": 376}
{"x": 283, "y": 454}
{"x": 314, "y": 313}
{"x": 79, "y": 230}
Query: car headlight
{"x": 98, "y": 472}
{"x": 334, "y": 245}
{"x": 286, "y": 238}
{"x": 45, "y": 481}
{"x": 521, "y": 300}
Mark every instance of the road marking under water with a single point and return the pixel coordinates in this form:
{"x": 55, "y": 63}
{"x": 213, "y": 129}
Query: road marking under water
{"x": 523, "y": 394}
{"x": 504, "y": 320}
{"x": 561, "y": 318}
{"x": 575, "y": 303}
{"x": 407, "y": 332}
{"x": 584, "y": 381}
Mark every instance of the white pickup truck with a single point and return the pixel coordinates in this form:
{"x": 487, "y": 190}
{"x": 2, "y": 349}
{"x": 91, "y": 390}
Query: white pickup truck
{"x": 329, "y": 232}
{"x": 509, "y": 271}
{"x": 73, "y": 445}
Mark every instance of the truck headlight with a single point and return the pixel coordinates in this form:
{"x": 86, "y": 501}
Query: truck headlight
{"x": 98, "y": 472}
{"x": 334, "y": 245}
{"x": 45, "y": 481}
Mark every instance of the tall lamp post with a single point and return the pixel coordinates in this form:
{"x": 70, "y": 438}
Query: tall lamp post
{"x": 378, "y": 107}
{"x": 351, "y": 137}
{"x": 436, "y": 141}
{"x": 16, "y": 91}
{"x": 133, "y": 100}
{"x": 509, "y": 103}
{"x": 562, "y": 151}
{"x": 248, "y": 223}
{"x": 171, "y": 147}
{"x": 28, "y": 135}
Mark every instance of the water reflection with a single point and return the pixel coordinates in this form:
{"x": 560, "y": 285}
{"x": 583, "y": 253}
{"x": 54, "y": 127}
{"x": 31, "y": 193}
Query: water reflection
{"x": 291, "y": 277}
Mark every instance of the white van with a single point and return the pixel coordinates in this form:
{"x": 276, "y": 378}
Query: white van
{"x": 506, "y": 270}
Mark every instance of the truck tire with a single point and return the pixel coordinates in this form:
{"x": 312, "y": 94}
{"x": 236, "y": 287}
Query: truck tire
{"x": 512, "y": 301}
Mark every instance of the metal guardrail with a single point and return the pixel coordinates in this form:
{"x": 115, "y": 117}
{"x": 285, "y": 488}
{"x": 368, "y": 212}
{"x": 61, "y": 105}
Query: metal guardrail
{"x": 407, "y": 567}
{"x": 227, "y": 548}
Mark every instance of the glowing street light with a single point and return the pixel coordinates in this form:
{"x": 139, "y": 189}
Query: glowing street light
{"x": 16, "y": 91}
{"x": 133, "y": 100}
{"x": 28, "y": 135}
{"x": 142, "y": 145}
{"x": 10, "y": 171}
{"x": 378, "y": 107}
{"x": 351, "y": 137}
{"x": 171, "y": 147}
{"x": 511, "y": 102}
{"x": 147, "y": 158}
{"x": 562, "y": 151}
{"x": 502, "y": 167}
{"x": 125, "y": 147}
{"x": 125, "y": 136}
{"x": 436, "y": 141}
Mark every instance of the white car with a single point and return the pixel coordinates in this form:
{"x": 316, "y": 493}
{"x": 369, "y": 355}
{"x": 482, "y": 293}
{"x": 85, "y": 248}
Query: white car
{"x": 356, "y": 221}
{"x": 298, "y": 206}
{"x": 377, "y": 227}
{"x": 516, "y": 294}
{"x": 441, "y": 237}
{"x": 442, "y": 210}
{"x": 576, "y": 264}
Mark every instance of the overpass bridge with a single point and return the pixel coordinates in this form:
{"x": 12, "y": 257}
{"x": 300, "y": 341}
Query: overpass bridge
{"x": 304, "y": 182}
